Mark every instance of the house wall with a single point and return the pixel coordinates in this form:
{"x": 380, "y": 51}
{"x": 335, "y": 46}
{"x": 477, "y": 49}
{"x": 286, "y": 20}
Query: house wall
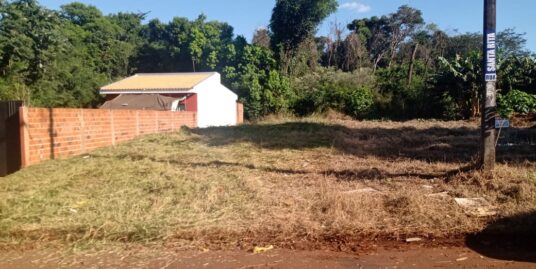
{"x": 216, "y": 103}
{"x": 59, "y": 133}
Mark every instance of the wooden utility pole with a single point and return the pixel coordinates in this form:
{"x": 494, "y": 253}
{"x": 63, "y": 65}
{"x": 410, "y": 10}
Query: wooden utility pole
{"x": 489, "y": 101}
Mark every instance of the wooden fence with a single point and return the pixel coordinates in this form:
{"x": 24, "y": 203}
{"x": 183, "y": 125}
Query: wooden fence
{"x": 10, "y": 155}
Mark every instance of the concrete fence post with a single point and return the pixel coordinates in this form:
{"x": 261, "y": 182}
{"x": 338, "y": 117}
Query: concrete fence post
{"x": 156, "y": 129}
{"x": 172, "y": 121}
{"x": 82, "y": 132}
{"x": 112, "y": 127}
{"x": 137, "y": 123}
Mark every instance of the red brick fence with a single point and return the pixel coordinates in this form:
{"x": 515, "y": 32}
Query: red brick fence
{"x": 58, "y": 133}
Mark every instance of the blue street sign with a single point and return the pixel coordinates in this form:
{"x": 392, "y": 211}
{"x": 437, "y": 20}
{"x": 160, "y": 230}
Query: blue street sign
{"x": 491, "y": 56}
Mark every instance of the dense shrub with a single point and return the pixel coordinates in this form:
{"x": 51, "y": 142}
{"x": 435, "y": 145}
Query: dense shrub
{"x": 359, "y": 102}
{"x": 516, "y": 101}
{"x": 459, "y": 82}
{"x": 403, "y": 99}
{"x": 518, "y": 73}
{"x": 262, "y": 89}
{"x": 349, "y": 93}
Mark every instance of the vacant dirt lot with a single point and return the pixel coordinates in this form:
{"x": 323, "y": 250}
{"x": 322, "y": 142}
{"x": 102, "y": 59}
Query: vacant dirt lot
{"x": 296, "y": 184}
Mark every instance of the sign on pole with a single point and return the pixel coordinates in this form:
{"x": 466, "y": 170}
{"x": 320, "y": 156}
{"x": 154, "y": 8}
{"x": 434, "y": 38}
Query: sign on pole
{"x": 502, "y": 123}
{"x": 489, "y": 101}
{"x": 491, "y": 56}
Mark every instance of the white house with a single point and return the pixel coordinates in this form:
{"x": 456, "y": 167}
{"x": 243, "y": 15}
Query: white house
{"x": 203, "y": 93}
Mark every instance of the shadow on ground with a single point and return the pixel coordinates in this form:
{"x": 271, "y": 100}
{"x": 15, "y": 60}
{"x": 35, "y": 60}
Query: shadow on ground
{"x": 511, "y": 238}
{"x": 431, "y": 144}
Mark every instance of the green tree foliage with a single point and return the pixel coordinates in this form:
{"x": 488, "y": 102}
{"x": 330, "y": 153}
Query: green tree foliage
{"x": 327, "y": 89}
{"x": 384, "y": 35}
{"x": 463, "y": 45}
{"x": 516, "y": 102}
{"x": 186, "y": 46}
{"x": 375, "y": 34}
{"x": 460, "y": 83}
{"x": 263, "y": 89}
{"x": 518, "y": 72}
{"x": 29, "y": 36}
{"x": 261, "y": 38}
{"x": 61, "y": 58}
{"x": 80, "y": 14}
{"x": 391, "y": 66}
{"x": 400, "y": 99}
{"x": 347, "y": 54}
{"x": 511, "y": 43}
{"x": 295, "y": 21}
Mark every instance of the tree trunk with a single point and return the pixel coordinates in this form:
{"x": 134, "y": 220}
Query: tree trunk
{"x": 394, "y": 46}
{"x": 391, "y": 59}
{"x": 377, "y": 61}
{"x": 412, "y": 63}
{"x": 426, "y": 66}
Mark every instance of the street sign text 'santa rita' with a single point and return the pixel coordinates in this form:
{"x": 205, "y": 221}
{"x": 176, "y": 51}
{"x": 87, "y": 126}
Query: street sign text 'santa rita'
{"x": 491, "y": 56}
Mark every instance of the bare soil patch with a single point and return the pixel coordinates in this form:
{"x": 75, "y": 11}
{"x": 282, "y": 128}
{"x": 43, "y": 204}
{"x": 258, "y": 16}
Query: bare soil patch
{"x": 410, "y": 257}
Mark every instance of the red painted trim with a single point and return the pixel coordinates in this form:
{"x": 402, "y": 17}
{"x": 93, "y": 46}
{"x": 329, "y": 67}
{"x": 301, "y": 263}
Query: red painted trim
{"x": 191, "y": 103}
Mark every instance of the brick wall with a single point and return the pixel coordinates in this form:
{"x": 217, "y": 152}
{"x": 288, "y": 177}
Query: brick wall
{"x": 58, "y": 133}
{"x": 239, "y": 113}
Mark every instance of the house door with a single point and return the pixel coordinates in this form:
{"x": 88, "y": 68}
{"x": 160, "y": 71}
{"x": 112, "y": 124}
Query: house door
{"x": 10, "y": 149}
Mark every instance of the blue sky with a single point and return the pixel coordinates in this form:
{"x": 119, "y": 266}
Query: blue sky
{"x": 247, "y": 15}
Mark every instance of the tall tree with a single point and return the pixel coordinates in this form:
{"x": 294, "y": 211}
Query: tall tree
{"x": 419, "y": 39}
{"x": 354, "y": 53}
{"x": 261, "y": 38}
{"x": 463, "y": 45}
{"x": 511, "y": 43}
{"x": 384, "y": 35}
{"x": 79, "y": 13}
{"x": 402, "y": 25}
{"x": 375, "y": 33}
{"x": 29, "y": 40}
{"x": 294, "y": 21}
{"x": 185, "y": 46}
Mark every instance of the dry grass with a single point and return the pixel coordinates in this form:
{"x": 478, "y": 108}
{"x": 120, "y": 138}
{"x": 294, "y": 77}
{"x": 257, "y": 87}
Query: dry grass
{"x": 286, "y": 182}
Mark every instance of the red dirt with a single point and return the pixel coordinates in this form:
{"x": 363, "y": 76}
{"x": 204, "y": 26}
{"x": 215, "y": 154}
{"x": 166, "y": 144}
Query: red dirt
{"x": 411, "y": 257}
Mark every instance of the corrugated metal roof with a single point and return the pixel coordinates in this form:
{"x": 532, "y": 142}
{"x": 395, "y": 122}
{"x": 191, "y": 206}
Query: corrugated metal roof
{"x": 158, "y": 81}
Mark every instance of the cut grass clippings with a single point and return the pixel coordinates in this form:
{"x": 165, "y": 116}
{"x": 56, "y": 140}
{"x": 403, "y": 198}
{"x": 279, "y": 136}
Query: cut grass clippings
{"x": 286, "y": 182}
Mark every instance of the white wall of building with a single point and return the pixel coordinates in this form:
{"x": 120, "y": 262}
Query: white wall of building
{"x": 216, "y": 104}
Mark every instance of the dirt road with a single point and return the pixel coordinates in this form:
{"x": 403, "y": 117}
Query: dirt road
{"x": 414, "y": 257}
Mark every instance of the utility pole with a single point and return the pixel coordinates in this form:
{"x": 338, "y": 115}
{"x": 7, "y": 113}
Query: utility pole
{"x": 489, "y": 101}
